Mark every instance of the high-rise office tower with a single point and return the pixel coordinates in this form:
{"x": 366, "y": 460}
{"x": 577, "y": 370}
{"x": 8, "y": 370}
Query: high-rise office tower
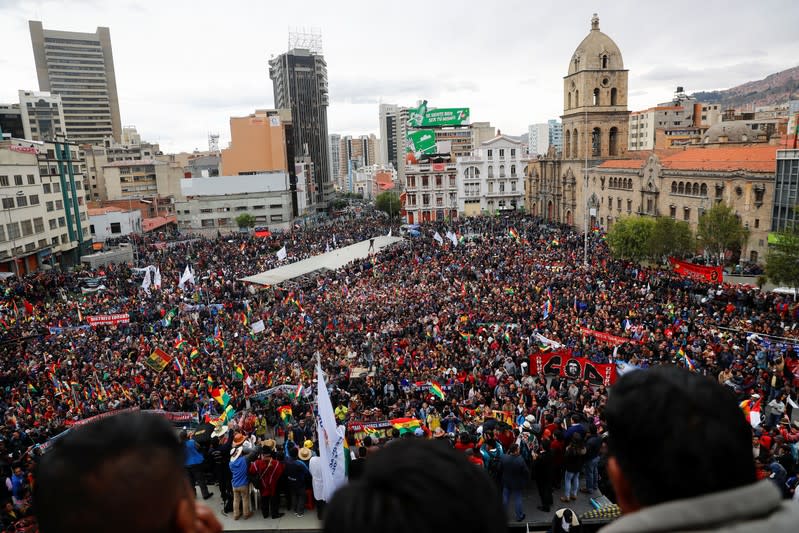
{"x": 393, "y": 120}
{"x": 555, "y": 134}
{"x": 334, "y": 148}
{"x": 299, "y": 78}
{"x": 79, "y": 67}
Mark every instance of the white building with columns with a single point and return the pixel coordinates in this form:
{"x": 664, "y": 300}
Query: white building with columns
{"x": 492, "y": 178}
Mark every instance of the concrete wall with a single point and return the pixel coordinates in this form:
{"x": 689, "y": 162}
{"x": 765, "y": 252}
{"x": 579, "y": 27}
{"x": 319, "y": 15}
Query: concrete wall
{"x": 258, "y": 144}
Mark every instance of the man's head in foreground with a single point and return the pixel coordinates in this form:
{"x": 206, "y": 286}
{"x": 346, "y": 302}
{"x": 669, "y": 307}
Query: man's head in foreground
{"x": 673, "y": 435}
{"x": 121, "y": 474}
{"x": 418, "y": 486}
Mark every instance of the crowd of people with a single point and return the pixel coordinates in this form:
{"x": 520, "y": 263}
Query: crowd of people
{"x": 464, "y": 314}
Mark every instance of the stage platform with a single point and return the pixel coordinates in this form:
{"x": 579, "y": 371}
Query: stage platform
{"x": 332, "y": 260}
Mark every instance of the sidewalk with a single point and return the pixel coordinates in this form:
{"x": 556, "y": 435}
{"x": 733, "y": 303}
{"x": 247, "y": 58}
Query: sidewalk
{"x": 308, "y": 522}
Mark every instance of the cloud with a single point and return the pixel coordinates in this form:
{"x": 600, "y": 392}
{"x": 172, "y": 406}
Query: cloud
{"x": 372, "y": 91}
{"x": 711, "y": 77}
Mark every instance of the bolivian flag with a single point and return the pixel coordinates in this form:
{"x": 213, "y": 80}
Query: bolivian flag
{"x": 437, "y": 391}
{"x": 220, "y": 395}
{"x": 406, "y": 425}
{"x": 195, "y": 353}
{"x": 285, "y": 414}
{"x": 158, "y": 360}
{"x": 238, "y": 372}
{"x": 513, "y": 233}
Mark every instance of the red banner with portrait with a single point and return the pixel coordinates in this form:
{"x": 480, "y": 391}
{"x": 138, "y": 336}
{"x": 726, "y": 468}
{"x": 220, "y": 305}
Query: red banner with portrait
{"x": 563, "y": 363}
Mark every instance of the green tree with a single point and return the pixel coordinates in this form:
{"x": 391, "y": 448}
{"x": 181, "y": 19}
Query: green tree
{"x": 782, "y": 261}
{"x": 720, "y": 230}
{"x": 245, "y": 220}
{"x": 388, "y": 202}
{"x": 629, "y": 238}
{"x": 670, "y": 238}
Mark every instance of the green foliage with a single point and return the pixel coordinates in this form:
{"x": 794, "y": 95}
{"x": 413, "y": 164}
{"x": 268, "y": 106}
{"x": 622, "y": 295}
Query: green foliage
{"x": 629, "y": 238}
{"x": 388, "y": 202}
{"x": 782, "y": 261}
{"x": 245, "y": 220}
{"x": 719, "y": 230}
{"x": 670, "y": 238}
{"x": 338, "y": 204}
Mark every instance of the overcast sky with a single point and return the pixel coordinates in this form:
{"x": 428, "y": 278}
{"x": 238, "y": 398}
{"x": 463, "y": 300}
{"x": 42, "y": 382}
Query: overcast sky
{"x": 184, "y": 67}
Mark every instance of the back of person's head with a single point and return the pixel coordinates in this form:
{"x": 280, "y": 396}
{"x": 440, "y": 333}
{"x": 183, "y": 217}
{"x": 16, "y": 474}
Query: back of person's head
{"x": 123, "y": 474}
{"x": 362, "y": 451}
{"x": 674, "y": 434}
{"x": 367, "y": 441}
{"x": 421, "y": 486}
{"x": 294, "y": 453}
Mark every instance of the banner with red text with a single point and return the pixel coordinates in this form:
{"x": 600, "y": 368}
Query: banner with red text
{"x": 104, "y": 320}
{"x": 713, "y": 274}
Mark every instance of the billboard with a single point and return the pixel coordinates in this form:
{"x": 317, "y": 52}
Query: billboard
{"x": 422, "y": 117}
{"x": 422, "y": 142}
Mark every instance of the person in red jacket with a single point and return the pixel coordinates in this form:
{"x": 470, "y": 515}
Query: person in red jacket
{"x": 267, "y": 470}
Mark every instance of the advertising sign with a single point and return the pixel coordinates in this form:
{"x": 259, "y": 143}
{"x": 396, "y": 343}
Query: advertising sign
{"x": 422, "y": 117}
{"x": 422, "y": 142}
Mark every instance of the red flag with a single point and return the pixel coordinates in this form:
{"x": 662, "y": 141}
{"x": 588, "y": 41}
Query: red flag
{"x": 28, "y": 307}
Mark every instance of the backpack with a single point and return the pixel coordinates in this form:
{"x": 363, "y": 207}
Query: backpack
{"x": 494, "y": 465}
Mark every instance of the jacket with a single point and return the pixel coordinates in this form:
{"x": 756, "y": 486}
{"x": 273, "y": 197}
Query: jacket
{"x": 317, "y": 479}
{"x": 514, "y": 472}
{"x": 267, "y": 472}
{"x": 755, "y": 508}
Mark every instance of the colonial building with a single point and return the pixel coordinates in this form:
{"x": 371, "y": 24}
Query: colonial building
{"x": 491, "y": 179}
{"x": 595, "y": 128}
{"x": 430, "y": 191}
{"x": 683, "y": 184}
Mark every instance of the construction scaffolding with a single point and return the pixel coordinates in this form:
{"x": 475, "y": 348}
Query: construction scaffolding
{"x": 308, "y": 39}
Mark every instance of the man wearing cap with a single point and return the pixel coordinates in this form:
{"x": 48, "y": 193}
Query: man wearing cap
{"x": 241, "y": 484}
{"x": 296, "y": 473}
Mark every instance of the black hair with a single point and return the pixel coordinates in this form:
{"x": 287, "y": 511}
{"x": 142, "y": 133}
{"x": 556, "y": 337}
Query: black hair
{"x": 421, "y": 486}
{"x": 362, "y": 451}
{"x": 294, "y": 452}
{"x": 123, "y": 473}
{"x": 677, "y": 434}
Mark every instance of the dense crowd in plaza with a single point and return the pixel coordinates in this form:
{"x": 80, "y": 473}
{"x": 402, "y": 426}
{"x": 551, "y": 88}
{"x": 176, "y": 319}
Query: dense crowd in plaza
{"x": 436, "y": 332}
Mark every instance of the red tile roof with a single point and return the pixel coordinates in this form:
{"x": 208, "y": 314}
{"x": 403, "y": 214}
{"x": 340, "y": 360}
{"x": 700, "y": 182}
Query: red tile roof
{"x": 149, "y": 224}
{"x": 754, "y": 158}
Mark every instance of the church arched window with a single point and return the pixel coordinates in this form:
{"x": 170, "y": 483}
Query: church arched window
{"x": 604, "y": 61}
{"x": 613, "y": 96}
{"x": 596, "y": 97}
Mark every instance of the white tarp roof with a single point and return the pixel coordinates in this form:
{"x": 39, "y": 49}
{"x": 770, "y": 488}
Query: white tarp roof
{"x": 331, "y": 260}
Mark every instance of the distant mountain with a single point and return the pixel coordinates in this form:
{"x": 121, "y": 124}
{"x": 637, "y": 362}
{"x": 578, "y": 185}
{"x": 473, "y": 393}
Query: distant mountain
{"x": 773, "y": 89}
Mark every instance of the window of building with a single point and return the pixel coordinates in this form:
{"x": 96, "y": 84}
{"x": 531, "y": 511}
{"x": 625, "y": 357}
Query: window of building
{"x": 595, "y": 98}
{"x": 618, "y": 203}
{"x": 54, "y": 241}
{"x": 673, "y": 211}
{"x": 59, "y": 205}
{"x": 258, "y": 207}
{"x": 513, "y": 152}
{"x": 4, "y": 181}
{"x": 439, "y": 201}
{"x": 56, "y": 187}
{"x": 91, "y": 229}
{"x": 27, "y": 228}
{"x": 13, "y": 230}
{"x": 630, "y": 205}
{"x": 209, "y": 223}
{"x": 490, "y": 171}
{"x": 46, "y": 188}
{"x": 62, "y": 222}
{"x": 49, "y": 206}
{"x": 206, "y": 210}
{"x": 438, "y": 182}
{"x": 757, "y": 223}
{"x": 613, "y": 96}
{"x": 18, "y": 180}
{"x": 38, "y": 224}
{"x": 501, "y": 186}
{"x": 8, "y": 203}
{"x": 425, "y": 200}
{"x": 513, "y": 186}
{"x": 64, "y": 238}
{"x": 31, "y": 179}
{"x": 502, "y": 153}
{"x": 411, "y": 181}
{"x": 241, "y": 208}
{"x": 33, "y": 199}
{"x": 686, "y": 215}
{"x": 425, "y": 181}
{"x": 276, "y": 218}
{"x": 53, "y": 223}
{"x": 490, "y": 153}
{"x": 490, "y": 187}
